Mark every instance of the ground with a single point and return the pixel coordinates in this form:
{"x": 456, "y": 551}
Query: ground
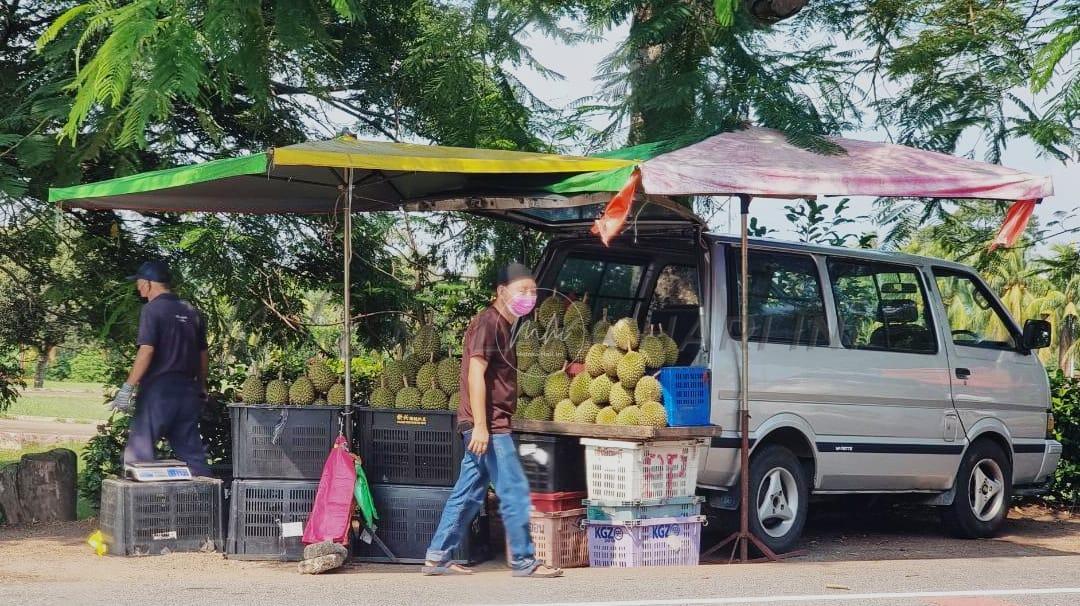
{"x": 850, "y": 553}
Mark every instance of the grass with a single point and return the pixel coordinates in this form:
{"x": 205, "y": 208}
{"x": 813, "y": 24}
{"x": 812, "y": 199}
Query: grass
{"x": 84, "y": 508}
{"x": 78, "y": 401}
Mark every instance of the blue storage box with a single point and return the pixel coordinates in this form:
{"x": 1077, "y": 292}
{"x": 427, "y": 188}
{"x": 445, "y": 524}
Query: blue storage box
{"x": 676, "y": 507}
{"x": 686, "y": 395}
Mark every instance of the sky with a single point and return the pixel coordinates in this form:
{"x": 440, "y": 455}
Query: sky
{"x": 578, "y": 65}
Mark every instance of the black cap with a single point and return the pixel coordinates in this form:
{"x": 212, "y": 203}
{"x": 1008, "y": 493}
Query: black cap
{"x": 511, "y": 272}
{"x": 154, "y": 271}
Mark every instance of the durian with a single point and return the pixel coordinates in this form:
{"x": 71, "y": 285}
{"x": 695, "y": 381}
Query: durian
{"x": 411, "y": 365}
{"x": 564, "y": 412}
{"x": 577, "y": 345}
{"x": 393, "y": 374}
{"x": 532, "y": 381}
{"x": 653, "y": 414}
{"x": 253, "y": 391}
{"x": 425, "y": 342}
{"x": 652, "y": 347}
{"x": 594, "y": 360}
{"x": 631, "y": 368}
{"x": 557, "y": 386}
{"x": 527, "y": 344}
{"x": 620, "y": 397}
{"x": 454, "y": 402}
{"x": 322, "y": 377}
{"x": 586, "y": 412}
{"x": 578, "y": 315}
{"x": 631, "y": 415}
{"x": 625, "y": 333}
{"x": 407, "y": 397}
{"x": 611, "y": 359}
{"x": 381, "y": 396}
{"x": 600, "y": 389}
{"x": 521, "y": 407}
{"x": 302, "y": 392}
{"x": 433, "y": 399}
{"x": 551, "y": 308}
{"x": 277, "y": 391}
{"x": 671, "y": 349}
{"x": 448, "y": 374}
{"x": 647, "y": 389}
{"x": 579, "y": 388}
{"x": 606, "y": 416}
{"x": 542, "y": 410}
{"x": 426, "y": 375}
{"x": 552, "y": 355}
{"x": 600, "y": 329}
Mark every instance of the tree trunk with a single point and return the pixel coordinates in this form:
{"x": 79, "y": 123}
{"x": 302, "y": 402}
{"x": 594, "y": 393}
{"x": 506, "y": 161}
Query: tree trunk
{"x": 41, "y": 487}
{"x": 39, "y": 371}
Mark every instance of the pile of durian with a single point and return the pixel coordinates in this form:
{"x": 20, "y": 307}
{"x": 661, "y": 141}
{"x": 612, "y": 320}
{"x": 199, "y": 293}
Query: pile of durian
{"x": 572, "y": 370}
{"x": 420, "y": 380}
{"x": 319, "y": 385}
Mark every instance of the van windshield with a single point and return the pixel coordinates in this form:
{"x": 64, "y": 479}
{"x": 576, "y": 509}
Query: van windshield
{"x": 614, "y": 285}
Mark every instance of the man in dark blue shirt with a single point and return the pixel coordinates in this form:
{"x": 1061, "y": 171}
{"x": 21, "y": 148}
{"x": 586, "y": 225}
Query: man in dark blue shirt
{"x": 170, "y": 370}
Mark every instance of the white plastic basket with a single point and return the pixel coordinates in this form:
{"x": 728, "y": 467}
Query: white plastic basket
{"x": 655, "y": 542}
{"x": 617, "y": 472}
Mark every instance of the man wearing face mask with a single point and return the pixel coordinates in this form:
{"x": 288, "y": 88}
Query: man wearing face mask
{"x": 170, "y": 370}
{"x": 488, "y": 400}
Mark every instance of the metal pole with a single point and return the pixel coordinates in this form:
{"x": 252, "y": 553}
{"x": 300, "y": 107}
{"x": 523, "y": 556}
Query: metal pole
{"x": 346, "y": 345}
{"x": 744, "y": 383}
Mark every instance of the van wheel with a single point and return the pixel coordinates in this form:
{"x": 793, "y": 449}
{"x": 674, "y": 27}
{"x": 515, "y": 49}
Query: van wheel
{"x": 779, "y": 495}
{"x": 983, "y": 493}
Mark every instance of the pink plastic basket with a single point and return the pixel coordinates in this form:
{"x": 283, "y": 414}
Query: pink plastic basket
{"x": 636, "y": 543}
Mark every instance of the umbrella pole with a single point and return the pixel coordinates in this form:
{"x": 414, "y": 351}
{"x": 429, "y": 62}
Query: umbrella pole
{"x": 741, "y": 539}
{"x": 346, "y": 346}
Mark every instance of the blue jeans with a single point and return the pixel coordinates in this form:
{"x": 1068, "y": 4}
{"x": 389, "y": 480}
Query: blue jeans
{"x": 499, "y": 466}
{"x": 168, "y": 406}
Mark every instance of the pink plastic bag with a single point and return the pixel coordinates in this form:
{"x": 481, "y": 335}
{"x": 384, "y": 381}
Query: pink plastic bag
{"x": 333, "y": 509}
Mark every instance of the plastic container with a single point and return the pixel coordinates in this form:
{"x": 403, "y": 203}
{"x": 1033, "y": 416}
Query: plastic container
{"x": 555, "y": 502}
{"x": 152, "y": 518}
{"x": 656, "y": 542}
{"x": 679, "y": 507}
{"x": 618, "y": 472}
{"x": 552, "y": 463}
{"x": 560, "y": 538}
{"x": 411, "y": 447}
{"x": 267, "y": 517}
{"x": 686, "y": 395}
{"x": 282, "y": 442}
{"x": 408, "y": 518}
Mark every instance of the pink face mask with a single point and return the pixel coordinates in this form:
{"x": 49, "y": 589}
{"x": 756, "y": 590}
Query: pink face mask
{"x": 521, "y": 304}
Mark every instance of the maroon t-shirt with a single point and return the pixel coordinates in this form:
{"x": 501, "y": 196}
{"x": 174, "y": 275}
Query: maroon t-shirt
{"x": 488, "y": 338}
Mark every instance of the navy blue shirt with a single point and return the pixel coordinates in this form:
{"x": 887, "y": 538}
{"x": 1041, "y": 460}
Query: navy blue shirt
{"x": 177, "y": 333}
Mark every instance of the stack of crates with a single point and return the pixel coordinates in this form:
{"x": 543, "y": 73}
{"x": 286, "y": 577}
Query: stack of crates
{"x": 278, "y": 457}
{"x": 641, "y": 508}
{"x": 412, "y": 459}
{"x": 555, "y": 468}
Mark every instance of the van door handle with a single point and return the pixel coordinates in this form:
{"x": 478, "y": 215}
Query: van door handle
{"x": 963, "y": 373}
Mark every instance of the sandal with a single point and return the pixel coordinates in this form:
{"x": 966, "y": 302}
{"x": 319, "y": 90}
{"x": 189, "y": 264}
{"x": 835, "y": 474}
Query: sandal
{"x": 445, "y": 570}
{"x": 539, "y": 570}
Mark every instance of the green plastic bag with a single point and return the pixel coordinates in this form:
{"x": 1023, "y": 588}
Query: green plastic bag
{"x": 364, "y": 499}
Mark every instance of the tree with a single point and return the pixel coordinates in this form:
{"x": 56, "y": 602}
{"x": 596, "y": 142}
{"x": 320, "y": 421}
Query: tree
{"x": 1061, "y": 303}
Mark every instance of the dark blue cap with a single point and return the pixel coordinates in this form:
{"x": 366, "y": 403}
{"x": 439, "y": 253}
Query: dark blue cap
{"x": 154, "y": 271}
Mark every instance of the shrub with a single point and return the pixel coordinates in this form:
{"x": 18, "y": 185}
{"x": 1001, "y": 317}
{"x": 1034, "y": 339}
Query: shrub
{"x": 1065, "y": 401}
{"x": 89, "y": 366}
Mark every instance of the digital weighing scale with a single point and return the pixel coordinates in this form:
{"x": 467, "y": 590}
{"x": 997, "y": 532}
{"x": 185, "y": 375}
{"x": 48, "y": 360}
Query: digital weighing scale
{"x": 157, "y": 471}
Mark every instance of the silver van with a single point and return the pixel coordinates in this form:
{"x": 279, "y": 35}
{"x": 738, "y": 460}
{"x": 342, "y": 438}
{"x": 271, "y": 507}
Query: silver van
{"x": 870, "y": 372}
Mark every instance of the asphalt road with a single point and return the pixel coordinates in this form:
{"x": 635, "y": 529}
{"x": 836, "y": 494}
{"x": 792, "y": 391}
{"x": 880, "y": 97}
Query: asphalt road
{"x": 866, "y": 555}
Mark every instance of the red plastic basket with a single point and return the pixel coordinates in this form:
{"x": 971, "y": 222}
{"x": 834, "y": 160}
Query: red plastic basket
{"x": 555, "y": 502}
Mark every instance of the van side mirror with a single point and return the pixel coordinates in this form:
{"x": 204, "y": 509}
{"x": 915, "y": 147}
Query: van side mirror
{"x": 1036, "y": 334}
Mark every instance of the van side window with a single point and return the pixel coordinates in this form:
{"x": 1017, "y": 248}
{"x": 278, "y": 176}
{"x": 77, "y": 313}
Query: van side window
{"x": 676, "y": 285}
{"x": 609, "y": 284}
{"x": 974, "y": 320}
{"x": 785, "y": 299}
{"x": 881, "y": 306}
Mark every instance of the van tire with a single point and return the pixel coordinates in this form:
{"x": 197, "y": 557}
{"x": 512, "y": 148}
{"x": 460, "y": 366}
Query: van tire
{"x": 779, "y": 470}
{"x": 984, "y": 463}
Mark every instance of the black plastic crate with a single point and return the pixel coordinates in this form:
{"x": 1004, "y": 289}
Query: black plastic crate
{"x": 552, "y": 463}
{"x": 413, "y": 447}
{"x": 408, "y": 518}
{"x": 282, "y": 442}
{"x": 152, "y": 518}
{"x": 257, "y": 512}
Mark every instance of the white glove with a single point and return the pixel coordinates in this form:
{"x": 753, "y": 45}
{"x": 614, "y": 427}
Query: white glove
{"x": 122, "y": 400}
